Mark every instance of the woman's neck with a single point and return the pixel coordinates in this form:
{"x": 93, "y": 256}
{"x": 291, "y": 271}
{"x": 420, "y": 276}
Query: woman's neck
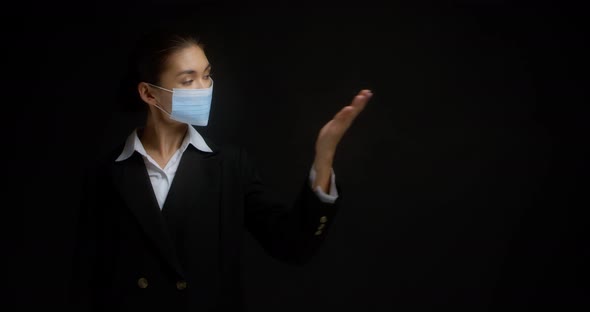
{"x": 161, "y": 139}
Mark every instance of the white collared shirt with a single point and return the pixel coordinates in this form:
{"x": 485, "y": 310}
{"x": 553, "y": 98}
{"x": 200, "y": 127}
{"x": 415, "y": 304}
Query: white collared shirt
{"x": 161, "y": 178}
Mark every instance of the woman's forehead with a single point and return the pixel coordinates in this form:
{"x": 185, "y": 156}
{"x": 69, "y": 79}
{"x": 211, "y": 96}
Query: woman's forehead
{"x": 189, "y": 58}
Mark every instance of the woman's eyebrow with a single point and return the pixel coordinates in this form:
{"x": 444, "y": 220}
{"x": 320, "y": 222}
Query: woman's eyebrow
{"x": 191, "y": 71}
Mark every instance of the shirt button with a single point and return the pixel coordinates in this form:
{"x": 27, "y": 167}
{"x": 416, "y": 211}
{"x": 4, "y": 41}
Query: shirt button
{"x": 181, "y": 285}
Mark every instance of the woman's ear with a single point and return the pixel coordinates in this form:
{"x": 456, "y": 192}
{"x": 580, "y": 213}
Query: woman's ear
{"x": 145, "y": 92}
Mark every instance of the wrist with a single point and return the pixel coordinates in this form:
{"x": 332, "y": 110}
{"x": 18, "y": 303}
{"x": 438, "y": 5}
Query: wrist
{"x": 322, "y": 164}
{"x": 324, "y": 159}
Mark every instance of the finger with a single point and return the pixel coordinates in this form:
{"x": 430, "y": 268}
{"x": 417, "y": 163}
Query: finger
{"x": 365, "y": 92}
{"x": 346, "y": 116}
{"x": 356, "y": 106}
{"x": 360, "y": 101}
{"x": 348, "y": 113}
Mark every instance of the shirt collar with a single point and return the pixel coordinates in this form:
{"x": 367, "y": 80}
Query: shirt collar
{"x": 133, "y": 144}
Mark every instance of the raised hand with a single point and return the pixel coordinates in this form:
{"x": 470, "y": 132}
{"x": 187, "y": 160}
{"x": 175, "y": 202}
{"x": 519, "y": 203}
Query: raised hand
{"x": 331, "y": 134}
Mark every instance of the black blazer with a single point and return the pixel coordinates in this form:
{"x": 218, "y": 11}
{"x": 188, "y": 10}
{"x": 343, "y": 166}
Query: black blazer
{"x": 132, "y": 256}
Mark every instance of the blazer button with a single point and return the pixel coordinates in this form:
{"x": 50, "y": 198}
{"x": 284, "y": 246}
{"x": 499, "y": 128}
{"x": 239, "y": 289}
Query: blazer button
{"x": 321, "y": 226}
{"x": 318, "y": 232}
{"x": 324, "y": 219}
{"x": 181, "y": 285}
{"x": 142, "y": 282}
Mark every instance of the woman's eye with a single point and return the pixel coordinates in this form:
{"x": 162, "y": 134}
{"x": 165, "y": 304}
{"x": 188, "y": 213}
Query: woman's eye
{"x": 208, "y": 76}
{"x": 187, "y": 83}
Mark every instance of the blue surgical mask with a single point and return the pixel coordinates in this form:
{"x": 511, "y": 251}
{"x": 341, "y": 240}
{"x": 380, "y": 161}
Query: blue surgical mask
{"x": 191, "y": 106}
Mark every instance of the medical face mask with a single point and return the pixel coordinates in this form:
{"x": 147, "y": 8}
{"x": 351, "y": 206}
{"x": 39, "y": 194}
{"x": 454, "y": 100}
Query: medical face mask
{"x": 191, "y": 106}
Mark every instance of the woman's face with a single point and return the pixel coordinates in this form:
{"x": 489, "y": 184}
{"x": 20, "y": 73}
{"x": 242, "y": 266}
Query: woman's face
{"x": 187, "y": 68}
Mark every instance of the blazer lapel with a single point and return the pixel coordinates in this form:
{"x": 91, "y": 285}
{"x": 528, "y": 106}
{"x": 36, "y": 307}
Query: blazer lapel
{"x": 134, "y": 184}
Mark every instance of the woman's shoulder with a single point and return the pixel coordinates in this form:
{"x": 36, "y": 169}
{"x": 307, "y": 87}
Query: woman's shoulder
{"x": 228, "y": 150}
{"x": 224, "y": 149}
{"x": 100, "y": 160}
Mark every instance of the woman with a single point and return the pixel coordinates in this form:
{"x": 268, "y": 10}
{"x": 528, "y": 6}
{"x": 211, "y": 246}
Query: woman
{"x": 162, "y": 219}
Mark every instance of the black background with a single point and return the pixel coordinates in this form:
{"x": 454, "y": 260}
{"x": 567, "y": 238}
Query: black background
{"x": 465, "y": 176}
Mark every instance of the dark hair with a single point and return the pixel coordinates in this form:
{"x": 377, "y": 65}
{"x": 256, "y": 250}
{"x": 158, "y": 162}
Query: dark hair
{"x": 148, "y": 59}
{"x": 153, "y": 50}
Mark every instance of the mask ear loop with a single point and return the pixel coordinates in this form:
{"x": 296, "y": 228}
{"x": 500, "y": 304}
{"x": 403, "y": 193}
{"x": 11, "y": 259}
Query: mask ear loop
{"x": 158, "y": 106}
{"x": 153, "y": 85}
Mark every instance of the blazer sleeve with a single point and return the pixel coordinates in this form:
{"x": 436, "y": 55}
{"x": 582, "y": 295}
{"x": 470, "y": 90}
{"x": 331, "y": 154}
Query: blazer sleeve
{"x": 292, "y": 233}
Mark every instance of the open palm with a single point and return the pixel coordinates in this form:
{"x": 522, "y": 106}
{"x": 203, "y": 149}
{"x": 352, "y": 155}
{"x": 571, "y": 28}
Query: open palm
{"x": 333, "y": 131}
